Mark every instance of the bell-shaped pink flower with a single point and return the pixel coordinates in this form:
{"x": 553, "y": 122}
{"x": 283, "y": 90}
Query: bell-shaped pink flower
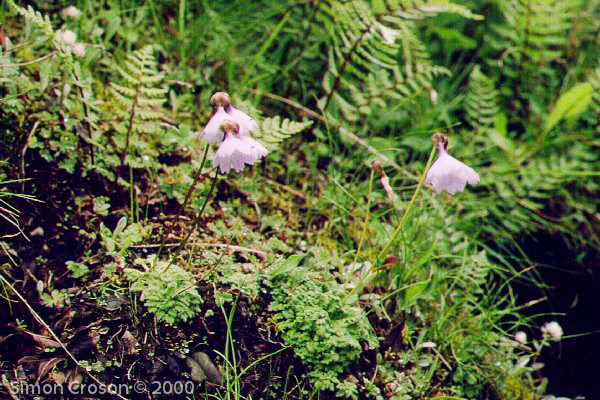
{"x": 258, "y": 150}
{"x": 447, "y": 173}
{"x": 232, "y": 152}
{"x": 247, "y": 123}
{"x": 212, "y": 132}
{"x": 228, "y": 124}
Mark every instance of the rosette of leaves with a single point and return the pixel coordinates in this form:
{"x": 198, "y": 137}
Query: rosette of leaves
{"x": 167, "y": 290}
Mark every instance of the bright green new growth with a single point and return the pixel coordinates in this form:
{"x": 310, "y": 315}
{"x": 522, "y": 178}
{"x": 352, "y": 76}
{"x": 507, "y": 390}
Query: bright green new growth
{"x": 167, "y": 290}
{"x": 313, "y": 313}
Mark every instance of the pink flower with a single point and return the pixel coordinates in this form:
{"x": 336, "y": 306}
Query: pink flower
{"x": 212, "y": 132}
{"x": 232, "y": 152}
{"x": 447, "y": 173}
{"x": 240, "y": 147}
{"x": 247, "y": 124}
{"x": 258, "y": 150}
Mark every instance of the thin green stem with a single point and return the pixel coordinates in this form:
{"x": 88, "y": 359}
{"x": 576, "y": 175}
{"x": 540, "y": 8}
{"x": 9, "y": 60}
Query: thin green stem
{"x": 358, "y": 287}
{"x": 364, "y": 232}
{"x": 407, "y": 211}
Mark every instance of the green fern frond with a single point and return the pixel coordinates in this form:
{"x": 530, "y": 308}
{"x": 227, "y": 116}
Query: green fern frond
{"x": 543, "y": 182}
{"x": 421, "y": 9}
{"x": 38, "y": 20}
{"x": 376, "y": 55}
{"x": 535, "y": 31}
{"x": 153, "y": 92}
{"x": 481, "y": 103}
{"x": 274, "y": 130}
{"x": 122, "y": 90}
{"x": 141, "y": 97}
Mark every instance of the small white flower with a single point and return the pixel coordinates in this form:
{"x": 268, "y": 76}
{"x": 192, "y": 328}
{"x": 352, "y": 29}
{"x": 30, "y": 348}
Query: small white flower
{"x": 78, "y": 49}
{"x": 447, "y": 173}
{"x": 433, "y": 95}
{"x": 521, "y": 337}
{"x": 67, "y": 37}
{"x": 232, "y": 152}
{"x": 71, "y": 12}
{"x": 97, "y": 31}
{"x": 553, "y": 329}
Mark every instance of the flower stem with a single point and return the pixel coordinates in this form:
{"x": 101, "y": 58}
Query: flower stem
{"x": 384, "y": 251}
{"x": 188, "y": 195}
{"x": 364, "y": 232}
{"x": 197, "y": 217}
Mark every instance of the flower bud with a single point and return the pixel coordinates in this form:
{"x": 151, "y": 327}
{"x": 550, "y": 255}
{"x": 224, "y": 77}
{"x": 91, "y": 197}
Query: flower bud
{"x": 230, "y": 126}
{"x": 220, "y": 99}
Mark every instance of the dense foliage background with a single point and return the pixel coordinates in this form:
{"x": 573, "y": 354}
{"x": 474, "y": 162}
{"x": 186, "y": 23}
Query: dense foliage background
{"x": 127, "y": 258}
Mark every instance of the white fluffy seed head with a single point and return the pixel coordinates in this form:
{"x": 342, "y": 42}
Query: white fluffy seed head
{"x": 521, "y": 337}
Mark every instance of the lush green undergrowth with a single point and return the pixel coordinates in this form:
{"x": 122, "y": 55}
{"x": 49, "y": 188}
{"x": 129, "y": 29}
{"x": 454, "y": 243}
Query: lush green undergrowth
{"x": 328, "y": 269}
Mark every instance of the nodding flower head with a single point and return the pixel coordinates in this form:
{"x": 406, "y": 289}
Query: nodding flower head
{"x": 220, "y": 99}
{"x": 247, "y": 123}
{"x": 232, "y": 152}
{"x": 212, "y": 131}
{"x": 232, "y": 128}
{"x": 447, "y": 173}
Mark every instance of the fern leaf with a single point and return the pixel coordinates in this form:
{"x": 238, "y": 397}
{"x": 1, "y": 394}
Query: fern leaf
{"x": 482, "y": 100}
{"x": 274, "y": 130}
{"x": 375, "y": 53}
{"x": 141, "y": 96}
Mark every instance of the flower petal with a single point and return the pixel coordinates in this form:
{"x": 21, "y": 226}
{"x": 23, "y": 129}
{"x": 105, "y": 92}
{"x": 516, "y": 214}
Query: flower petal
{"x": 212, "y": 131}
{"x": 258, "y": 150}
{"x": 247, "y": 124}
{"x": 449, "y": 174}
{"x": 233, "y": 153}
